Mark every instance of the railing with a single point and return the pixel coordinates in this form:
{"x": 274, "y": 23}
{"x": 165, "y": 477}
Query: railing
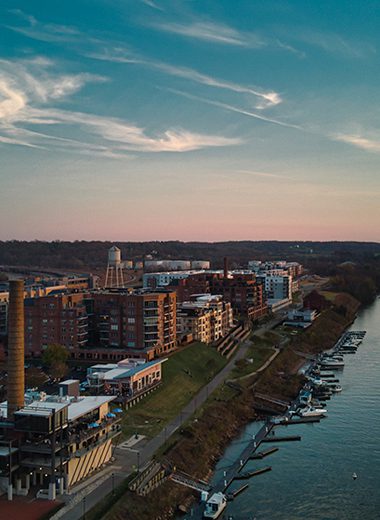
{"x": 102, "y": 439}
{"x": 84, "y": 434}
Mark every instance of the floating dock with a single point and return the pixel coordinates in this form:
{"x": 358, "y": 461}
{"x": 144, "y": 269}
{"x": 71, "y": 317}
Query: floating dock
{"x": 262, "y": 454}
{"x": 250, "y": 474}
{"x": 282, "y": 438}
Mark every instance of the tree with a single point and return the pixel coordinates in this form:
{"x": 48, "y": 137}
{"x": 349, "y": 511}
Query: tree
{"x": 54, "y": 355}
{"x": 58, "y": 370}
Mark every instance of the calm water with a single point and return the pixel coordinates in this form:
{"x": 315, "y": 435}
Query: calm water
{"x": 312, "y": 479}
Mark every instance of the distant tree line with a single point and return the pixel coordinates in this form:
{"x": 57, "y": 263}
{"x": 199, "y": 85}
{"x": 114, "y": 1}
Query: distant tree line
{"x": 82, "y": 255}
{"x": 353, "y": 267}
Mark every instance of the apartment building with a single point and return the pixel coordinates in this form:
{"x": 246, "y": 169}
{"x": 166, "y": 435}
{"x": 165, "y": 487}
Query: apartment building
{"x": 241, "y": 289}
{"x": 58, "y": 442}
{"x": 278, "y": 287}
{"x": 133, "y": 320}
{"x": 58, "y": 318}
{"x": 205, "y": 318}
{"x": 4, "y": 297}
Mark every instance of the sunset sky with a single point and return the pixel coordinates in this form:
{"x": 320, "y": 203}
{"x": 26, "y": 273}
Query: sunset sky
{"x": 190, "y": 120}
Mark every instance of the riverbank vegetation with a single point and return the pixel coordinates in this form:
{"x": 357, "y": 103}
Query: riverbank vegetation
{"x": 197, "y": 447}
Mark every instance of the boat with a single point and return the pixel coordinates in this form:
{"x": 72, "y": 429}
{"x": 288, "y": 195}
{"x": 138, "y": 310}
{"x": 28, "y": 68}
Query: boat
{"x": 316, "y": 404}
{"x": 332, "y": 363}
{"x": 335, "y": 388}
{"x": 312, "y": 412}
{"x": 337, "y": 357}
{"x": 215, "y": 505}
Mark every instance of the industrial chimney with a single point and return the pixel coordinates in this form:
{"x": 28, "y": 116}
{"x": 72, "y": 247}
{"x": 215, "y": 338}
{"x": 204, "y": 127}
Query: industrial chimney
{"x": 225, "y": 267}
{"x": 16, "y": 353}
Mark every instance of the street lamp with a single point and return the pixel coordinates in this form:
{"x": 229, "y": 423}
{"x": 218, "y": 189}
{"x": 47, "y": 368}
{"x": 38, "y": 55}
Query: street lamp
{"x": 113, "y": 483}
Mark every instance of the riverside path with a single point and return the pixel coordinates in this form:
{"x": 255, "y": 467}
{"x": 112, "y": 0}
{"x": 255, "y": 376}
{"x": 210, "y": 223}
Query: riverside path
{"x": 126, "y": 460}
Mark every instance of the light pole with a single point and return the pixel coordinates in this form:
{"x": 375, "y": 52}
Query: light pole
{"x": 113, "y": 483}
{"x": 84, "y": 508}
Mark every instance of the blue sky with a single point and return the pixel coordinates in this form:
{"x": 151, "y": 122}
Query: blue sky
{"x": 192, "y": 120}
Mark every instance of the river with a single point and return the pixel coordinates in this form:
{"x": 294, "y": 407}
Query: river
{"x": 312, "y": 479}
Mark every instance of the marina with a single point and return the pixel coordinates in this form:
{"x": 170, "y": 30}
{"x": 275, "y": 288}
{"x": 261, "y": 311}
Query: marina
{"x": 307, "y": 409}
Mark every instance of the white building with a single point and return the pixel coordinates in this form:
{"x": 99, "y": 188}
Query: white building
{"x": 301, "y": 317}
{"x": 278, "y": 287}
{"x": 166, "y": 278}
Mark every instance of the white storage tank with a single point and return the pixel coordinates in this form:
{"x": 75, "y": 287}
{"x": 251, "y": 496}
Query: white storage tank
{"x": 200, "y": 264}
{"x": 114, "y": 256}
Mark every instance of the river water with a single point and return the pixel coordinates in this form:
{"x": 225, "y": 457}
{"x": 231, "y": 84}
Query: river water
{"x": 312, "y": 479}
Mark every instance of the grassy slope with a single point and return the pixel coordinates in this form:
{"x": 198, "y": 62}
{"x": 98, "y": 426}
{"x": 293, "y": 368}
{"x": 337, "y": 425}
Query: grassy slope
{"x": 184, "y": 374}
{"x": 259, "y": 351}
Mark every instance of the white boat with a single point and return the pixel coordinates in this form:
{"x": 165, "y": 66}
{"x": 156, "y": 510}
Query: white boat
{"x": 332, "y": 363}
{"x": 312, "y": 412}
{"x": 335, "y": 388}
{"x": 337, "y": 357}
{"x": 215, "y": 505}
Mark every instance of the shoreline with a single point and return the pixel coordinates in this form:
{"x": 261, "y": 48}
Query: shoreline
{"x": 201, "y": 444}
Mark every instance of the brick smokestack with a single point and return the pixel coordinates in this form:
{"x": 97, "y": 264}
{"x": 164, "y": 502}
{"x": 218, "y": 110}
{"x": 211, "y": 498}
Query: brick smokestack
{"x": 225, "y": 267}
{"x": 16, "y": 352}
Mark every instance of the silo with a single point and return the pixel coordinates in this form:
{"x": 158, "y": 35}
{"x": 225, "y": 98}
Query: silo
{"x": 16, "y": 352}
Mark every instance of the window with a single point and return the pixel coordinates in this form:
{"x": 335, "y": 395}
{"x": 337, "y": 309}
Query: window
{"x": 114, "y": 327}
{"x": 131, "y": 321}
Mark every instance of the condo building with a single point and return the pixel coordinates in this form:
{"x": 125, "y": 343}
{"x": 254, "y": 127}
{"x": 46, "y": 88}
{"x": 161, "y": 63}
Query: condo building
{"x": 205, "y": 318}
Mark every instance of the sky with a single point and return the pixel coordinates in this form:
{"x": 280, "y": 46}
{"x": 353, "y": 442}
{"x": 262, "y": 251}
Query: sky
{"x": 137, "y": 120}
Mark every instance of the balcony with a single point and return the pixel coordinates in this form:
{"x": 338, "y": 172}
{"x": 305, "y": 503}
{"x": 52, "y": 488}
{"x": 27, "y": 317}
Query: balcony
{"x": 82, "y": 432}
{"x": 114, "y": 432}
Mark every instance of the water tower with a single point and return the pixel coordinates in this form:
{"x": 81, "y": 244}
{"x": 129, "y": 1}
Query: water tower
{"x": 114, "y": 276}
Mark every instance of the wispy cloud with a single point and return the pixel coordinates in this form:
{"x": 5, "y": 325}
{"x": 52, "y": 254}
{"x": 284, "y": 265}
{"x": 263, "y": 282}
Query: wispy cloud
{"x": 232, "y": 108}
{"x": 27, "y": 91}
{"x": 264, "y": 174}
{"x": 359, "y": 141}
{"x": 152, "y": 4}
{"x": 266, "y": 99}
{"x": 212, "y": 32}
{"x": 98, "y": 49}
{"x": 44, "y": 31}
{"x": 331, "y": 43}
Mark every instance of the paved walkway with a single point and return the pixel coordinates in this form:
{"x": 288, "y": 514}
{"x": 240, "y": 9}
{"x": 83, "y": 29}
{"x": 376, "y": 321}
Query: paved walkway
{"x": 138, "y": 456}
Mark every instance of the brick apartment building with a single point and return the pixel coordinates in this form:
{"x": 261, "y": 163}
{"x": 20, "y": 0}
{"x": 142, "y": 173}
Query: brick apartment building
{"x": 135, "y": 321}
{"x": 105, "y": 325}
{"x": 59, "y": 318}
{"x": 242, "y": 290}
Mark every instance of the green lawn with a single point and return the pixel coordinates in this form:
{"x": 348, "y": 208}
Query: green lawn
{"x": 184, "y": 374}
{"x": 259, "y": 352}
